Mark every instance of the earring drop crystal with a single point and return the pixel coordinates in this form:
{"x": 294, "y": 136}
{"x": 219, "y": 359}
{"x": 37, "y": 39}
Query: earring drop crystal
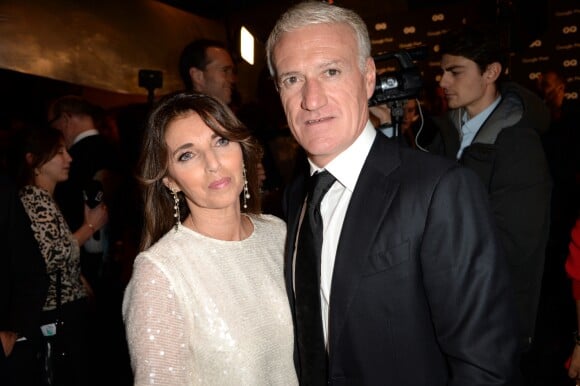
{"x": 176, "y": 214}
{"x": 246, "y": 192}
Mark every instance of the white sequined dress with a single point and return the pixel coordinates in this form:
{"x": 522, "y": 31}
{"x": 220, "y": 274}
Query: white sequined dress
{"x": 201, "y": 311}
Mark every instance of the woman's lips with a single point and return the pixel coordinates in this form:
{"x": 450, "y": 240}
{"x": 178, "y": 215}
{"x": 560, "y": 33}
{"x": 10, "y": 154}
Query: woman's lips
{"x": 221, "y": 183}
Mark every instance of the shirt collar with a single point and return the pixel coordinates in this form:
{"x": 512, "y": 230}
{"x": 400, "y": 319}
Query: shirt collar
{"x": 85, "y": 134}
{"x": 347, "y": 165}
{"x": 473, "y": 124}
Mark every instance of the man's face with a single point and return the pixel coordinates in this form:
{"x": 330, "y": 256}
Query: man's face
{"x": 323, "y": 92}
{"x": 464, "y": 84}
{"x": 218, "y": 78}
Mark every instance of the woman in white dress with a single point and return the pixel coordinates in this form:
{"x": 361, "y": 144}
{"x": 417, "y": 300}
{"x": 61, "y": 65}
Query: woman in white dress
{"x": 206, "y": 304}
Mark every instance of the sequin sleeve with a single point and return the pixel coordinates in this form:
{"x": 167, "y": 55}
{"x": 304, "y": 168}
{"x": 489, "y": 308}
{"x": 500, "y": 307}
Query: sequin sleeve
{"x": 155, "y": 328}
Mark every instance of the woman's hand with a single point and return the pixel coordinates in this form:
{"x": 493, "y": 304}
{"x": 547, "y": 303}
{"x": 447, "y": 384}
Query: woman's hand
{"x": 8, "y": 339}
{"x": 96, "y": 217}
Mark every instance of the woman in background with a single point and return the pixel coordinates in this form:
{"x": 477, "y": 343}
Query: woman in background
{"x": 43, "y": 163}
{"x": 206, "y": 303}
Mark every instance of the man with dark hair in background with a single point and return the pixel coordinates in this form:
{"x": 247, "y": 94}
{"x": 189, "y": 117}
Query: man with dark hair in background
{"x": 95, "y": 174}
{"x": 493, "y": 127}
{"x": 206, "y": 66}
{"x": 95, "y": 166}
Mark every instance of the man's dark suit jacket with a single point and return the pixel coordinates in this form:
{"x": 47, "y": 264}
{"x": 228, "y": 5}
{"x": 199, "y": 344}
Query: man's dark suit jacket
{"x": 420, "y": 293}
{"x": 89, "y": 156}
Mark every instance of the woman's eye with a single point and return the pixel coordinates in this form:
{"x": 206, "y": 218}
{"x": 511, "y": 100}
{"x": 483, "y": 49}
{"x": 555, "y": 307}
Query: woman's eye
{"x": 222, "y": 141}
{"x": 186, "y": 156}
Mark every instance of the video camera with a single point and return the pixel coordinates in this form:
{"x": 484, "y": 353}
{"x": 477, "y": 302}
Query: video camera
{"x": 398, "y": 85}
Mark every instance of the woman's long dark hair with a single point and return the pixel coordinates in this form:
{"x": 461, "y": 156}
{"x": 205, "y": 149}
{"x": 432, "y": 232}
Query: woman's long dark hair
{"x": 153, "y": 165}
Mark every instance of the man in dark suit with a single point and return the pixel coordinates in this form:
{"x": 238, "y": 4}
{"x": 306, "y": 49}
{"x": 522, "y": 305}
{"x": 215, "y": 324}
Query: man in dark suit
{"x": 411, "y": 287}
{"x": 95, "y": 164}
{"x": 96, "y": 167}
{"x": 23, "y": 286}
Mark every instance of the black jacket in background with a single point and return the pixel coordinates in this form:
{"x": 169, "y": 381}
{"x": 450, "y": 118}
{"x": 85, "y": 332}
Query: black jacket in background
{"x": 508, "y": 156}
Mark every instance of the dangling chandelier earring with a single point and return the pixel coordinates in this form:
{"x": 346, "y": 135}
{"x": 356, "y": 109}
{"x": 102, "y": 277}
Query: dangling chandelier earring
{"x": 176, "y": 213}
{"x": 246, "y": 191}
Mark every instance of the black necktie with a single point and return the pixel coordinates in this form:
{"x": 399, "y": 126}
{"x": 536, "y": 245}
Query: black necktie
{"x": 311, "y": 348}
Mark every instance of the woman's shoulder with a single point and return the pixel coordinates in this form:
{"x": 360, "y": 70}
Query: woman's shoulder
{"x": 268, "y": 220}
{"x": 157, "y": 257}
{"x": 31, "y": 190}
{"x": 32, "y": 196}
{"x": 268, "y": 226}
{"x": 164, "y": 246}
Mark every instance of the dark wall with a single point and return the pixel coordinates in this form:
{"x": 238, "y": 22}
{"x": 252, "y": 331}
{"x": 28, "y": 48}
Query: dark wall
{"x": 539, "y": 35}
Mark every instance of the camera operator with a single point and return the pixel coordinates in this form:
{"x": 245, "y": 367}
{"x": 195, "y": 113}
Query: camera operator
{"x": 393, "y": 108}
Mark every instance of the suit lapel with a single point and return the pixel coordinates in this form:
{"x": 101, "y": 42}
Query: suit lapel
{"x": 360, "y": 228}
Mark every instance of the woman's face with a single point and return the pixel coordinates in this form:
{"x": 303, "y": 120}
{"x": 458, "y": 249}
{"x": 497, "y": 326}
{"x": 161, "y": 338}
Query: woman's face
{"x": 56, "y": 169}
{"x": 207, "y": 168}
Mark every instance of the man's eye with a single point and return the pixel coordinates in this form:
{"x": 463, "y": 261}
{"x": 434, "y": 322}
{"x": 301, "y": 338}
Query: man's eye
{"x": 332, "y": 72}
{"x": 289, "y": 81}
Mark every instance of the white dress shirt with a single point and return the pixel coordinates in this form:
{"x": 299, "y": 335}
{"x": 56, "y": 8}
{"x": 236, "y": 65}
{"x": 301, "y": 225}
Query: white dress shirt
{"x": 84, "y": 134}
{"x": 345, "y": 168}
{"x": 471, "y": 126}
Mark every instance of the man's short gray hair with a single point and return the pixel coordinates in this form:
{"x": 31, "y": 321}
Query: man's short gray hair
{"x": 316, "y": 12}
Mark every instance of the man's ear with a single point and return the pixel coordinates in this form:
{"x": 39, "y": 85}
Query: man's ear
{"x": 371, "y": 76}
{"x": 492, "y": 72}
{"x": 196, "y": 76}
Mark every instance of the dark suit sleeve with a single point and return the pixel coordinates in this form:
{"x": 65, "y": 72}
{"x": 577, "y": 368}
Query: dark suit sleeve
{"x": 467, "y": 283}
{"x": 23, "y": 279}
{"x": 520, "y": 197}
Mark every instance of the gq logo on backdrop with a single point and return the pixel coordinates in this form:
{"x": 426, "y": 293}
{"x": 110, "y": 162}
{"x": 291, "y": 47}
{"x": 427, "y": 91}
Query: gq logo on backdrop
{"x": 409, "y": 30}
{"x": 571, "y": 95}
{"x": 536, "y": 43}
{"x": 570, "y": 63}
{"x": 438, "y": 17}
{"x": 381, "y": 26}
{"x": 569, "y": 30}
{"x": 534, "y": 75}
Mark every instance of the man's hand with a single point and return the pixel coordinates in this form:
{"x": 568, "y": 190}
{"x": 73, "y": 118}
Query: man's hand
{"x": 380, "y": 114}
